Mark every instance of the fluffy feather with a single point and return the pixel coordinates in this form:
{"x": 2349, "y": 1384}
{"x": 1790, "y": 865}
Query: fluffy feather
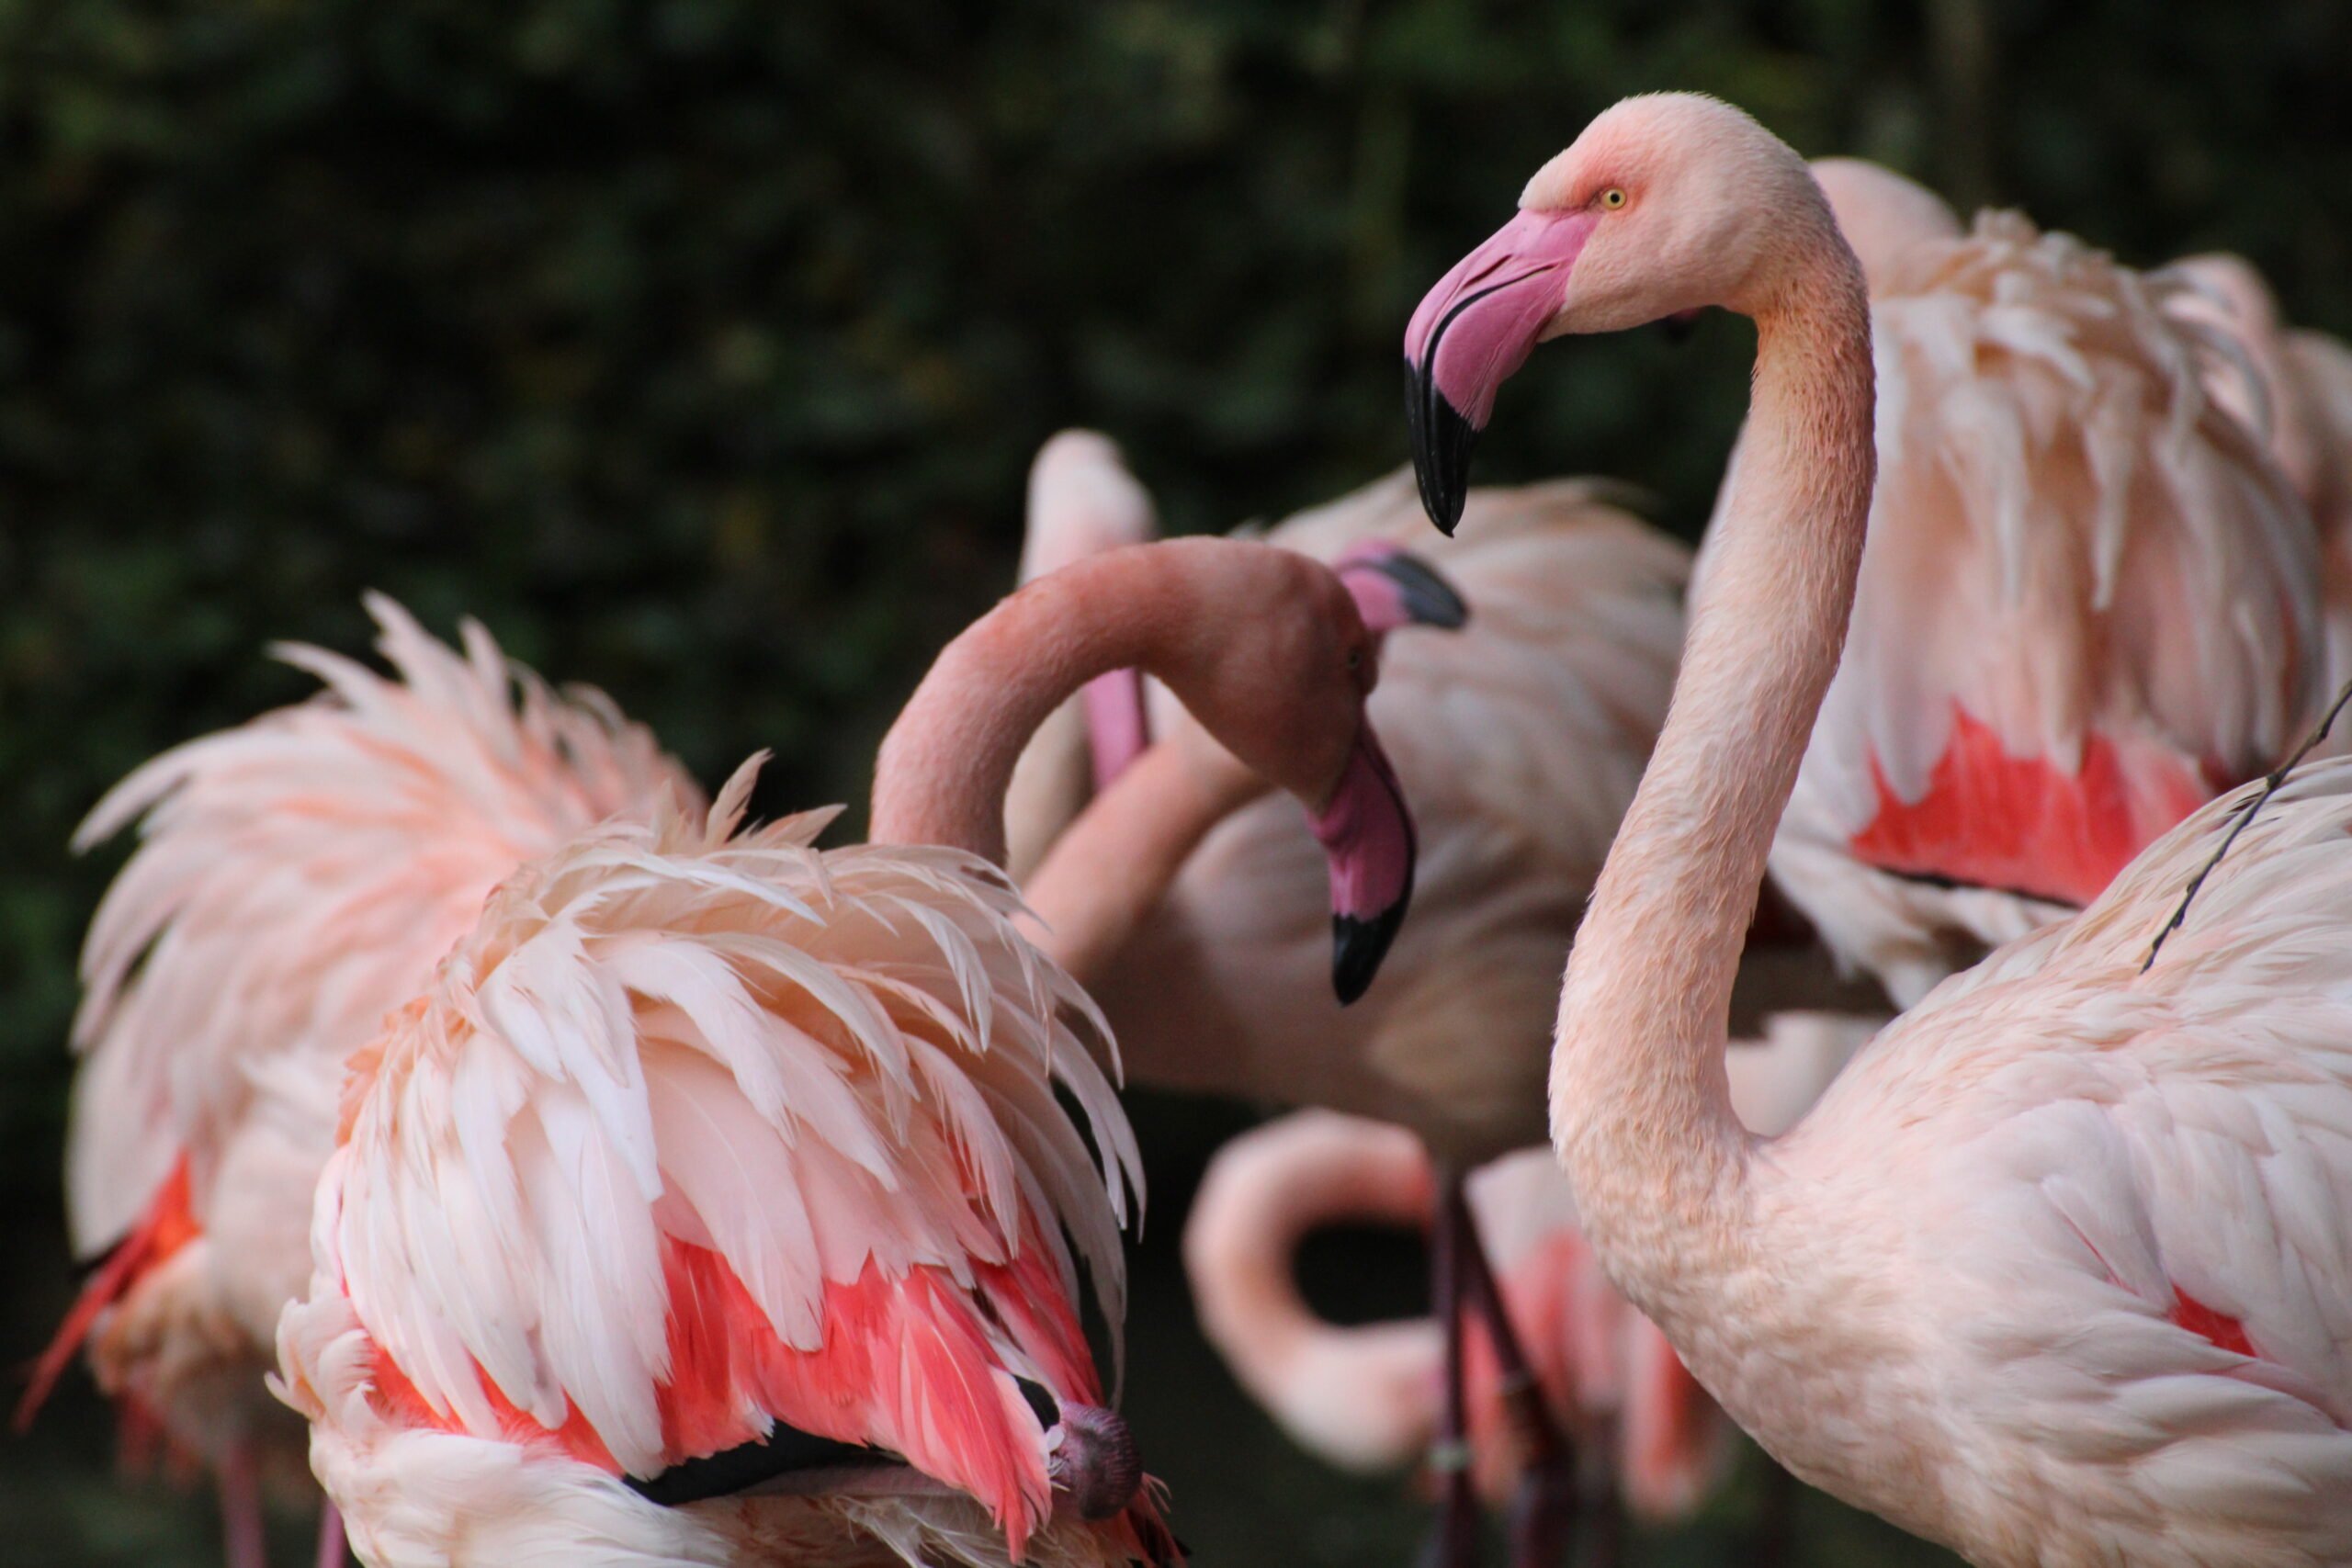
{"x": 2087, "y": 602}
{"x": 296, "y": 879}
{"x": 702, "y": 1128}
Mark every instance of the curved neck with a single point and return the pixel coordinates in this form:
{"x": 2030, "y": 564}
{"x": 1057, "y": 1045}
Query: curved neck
{"x": 1241, "y": 1242}
{"x": 1640, "y": 1110}
{"x": 943, "y": 770}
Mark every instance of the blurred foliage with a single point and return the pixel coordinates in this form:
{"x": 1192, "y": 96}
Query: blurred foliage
{"x": 698, "y": 347}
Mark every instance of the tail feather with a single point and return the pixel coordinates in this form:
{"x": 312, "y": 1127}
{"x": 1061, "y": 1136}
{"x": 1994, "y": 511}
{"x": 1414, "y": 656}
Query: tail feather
{"x": 167, "y": 1227}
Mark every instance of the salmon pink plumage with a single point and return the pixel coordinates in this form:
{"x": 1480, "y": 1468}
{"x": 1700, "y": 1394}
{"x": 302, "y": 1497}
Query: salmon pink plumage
{"x": 2088, "y": 599}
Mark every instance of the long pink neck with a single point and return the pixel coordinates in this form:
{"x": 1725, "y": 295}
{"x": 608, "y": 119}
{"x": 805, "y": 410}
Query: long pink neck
{"x": 943, "y": 767}
{"x": 1640, "y": 1110}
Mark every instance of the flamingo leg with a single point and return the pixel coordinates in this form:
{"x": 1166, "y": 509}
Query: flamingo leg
{"x": 1455, "y": 1542}
{"x": 332, "y": 1551}
{"x": 241, "y": 1526}
{"x": 1544, "y": 1513}
{"x": 1776, "y": 1518}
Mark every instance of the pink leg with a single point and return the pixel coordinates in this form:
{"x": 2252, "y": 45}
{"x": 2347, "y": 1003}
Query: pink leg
{"x": 332, "y": 1551}
{"x": 1454, "y": 1543}
{"x": 240, "y": 1528}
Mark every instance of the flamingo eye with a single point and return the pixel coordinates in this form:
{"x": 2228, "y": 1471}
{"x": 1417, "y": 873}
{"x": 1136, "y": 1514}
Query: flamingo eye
{"x": 1355, "y": 659}
{"x": 1613, "y": 198}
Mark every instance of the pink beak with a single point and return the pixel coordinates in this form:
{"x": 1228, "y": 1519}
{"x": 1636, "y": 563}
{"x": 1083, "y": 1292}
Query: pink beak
{"x": 1367, "y": 837}
{"x": 1470, "y": 334}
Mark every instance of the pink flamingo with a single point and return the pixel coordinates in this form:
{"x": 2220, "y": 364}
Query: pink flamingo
{"x": 2087, "y": 602}
{"x": 296, "y": 878}
{"x": 714, "y": 1161}
{"x": 2054, "y": 1273}
{"x": 1197, "y": 917}
{"x": 1370, "y": 1398}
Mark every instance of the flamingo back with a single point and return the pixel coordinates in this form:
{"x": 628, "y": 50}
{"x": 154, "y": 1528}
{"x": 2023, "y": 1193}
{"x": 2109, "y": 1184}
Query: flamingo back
{"x": 2088, "y": 601}
{"x": 2320, "y": 368}
{"x": 704, "y": 1134}
{"x": 295, "y": 880}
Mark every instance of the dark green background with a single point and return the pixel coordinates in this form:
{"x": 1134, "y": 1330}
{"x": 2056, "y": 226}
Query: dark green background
{"x": 700, "y": 347}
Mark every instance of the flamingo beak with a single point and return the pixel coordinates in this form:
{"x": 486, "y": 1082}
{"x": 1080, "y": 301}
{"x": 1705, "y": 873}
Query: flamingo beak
{"x": 1393, "y": 587}
{"x": 1367, "y": 837}
{"x": 1468, "y": 337}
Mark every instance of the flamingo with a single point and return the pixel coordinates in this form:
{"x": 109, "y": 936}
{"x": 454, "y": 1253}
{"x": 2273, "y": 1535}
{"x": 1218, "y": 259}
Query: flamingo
{"x": 1882, "y": 215}
{"x": 708, "y": 1208}
{"x": 2055, "y": 1271}
{"x": 295, "y": 880}
{"x": 2089, "y": 602}
{"x": 1196, "y": 916}
{"x": 1370, "y": 1398}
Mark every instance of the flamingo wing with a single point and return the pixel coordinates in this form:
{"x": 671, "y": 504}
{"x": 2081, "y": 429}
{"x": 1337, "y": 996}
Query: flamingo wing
{"x": 2088, "y": 601}
{"x": 2144, "y": 1237}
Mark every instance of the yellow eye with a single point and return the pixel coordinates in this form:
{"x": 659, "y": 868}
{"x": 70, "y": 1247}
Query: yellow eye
{"x": 1612, "y": 198}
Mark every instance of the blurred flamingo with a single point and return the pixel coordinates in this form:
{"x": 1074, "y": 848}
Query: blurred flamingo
{"x": 2054, "y": 1273}
{"x": 2088, "y": 601}
{"x": 296, "y": 879}
{"x": 1370, "y": 1398}
{"x": 2301, "y": 388}
{"x": 1197, "y": 916}
{"x": 709, "y": 1207}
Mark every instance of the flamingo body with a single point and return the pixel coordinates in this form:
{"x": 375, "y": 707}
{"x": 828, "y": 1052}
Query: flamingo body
{"x": 2088, "y": 603}
{"x": 296, "y": 879}
{"x": 701, "y": 1134}
{"x": 2111, "y": 1321}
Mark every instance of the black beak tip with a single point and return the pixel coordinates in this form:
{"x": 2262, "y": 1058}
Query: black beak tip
{"x": 1358, "y": 947}
{"x": 1428, "y": 598}
{"x": 1441, "y": 441}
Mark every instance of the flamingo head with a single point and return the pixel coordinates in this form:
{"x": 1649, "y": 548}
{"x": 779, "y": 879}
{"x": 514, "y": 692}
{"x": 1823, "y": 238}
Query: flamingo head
{"x": 1279, "y": 680}
{"x": 1665, "y": 205}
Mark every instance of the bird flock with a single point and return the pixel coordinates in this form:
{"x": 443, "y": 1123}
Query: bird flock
{"x": 1951, "y": 1083}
